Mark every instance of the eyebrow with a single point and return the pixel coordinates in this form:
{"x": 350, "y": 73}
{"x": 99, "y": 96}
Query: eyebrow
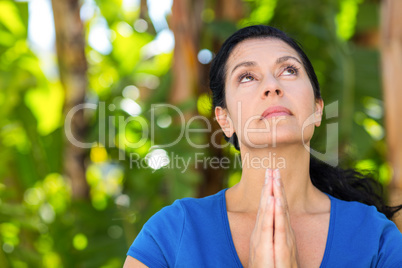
{"x": 253, "y": 63}
{"x": 285, "y": 58}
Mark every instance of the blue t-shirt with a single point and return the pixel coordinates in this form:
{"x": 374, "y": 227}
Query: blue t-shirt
{"x": 195, "y": 232}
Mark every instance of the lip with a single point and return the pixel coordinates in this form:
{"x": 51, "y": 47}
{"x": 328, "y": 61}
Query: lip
{"x": 275, "y": 111}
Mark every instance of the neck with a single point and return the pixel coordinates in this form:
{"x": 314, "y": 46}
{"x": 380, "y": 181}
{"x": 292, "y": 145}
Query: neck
{"x": 293, "y": 162}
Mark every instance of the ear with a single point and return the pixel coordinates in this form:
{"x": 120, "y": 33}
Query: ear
{"x": 224, "y": 121}
{"x": 319, "y": 106}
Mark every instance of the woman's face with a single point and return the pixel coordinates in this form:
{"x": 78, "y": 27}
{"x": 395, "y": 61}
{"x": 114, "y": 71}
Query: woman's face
{"x": 262, "y": 74}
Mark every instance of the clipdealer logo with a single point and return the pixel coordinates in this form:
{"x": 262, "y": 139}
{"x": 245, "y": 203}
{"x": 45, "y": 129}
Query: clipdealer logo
{"x": 148, "y": 135}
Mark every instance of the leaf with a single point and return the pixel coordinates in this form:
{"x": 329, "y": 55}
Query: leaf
{"x": 10, "y": 18}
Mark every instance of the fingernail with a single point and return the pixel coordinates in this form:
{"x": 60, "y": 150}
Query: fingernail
{"x": 277, "y": 177}
{"x": 278, "y": 202}
{"x": 267, "y": 175}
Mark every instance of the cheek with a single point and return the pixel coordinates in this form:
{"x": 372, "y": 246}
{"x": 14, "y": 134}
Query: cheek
{"x": 304, "y": 89}
{"x": 240, "y": 112}
{"x": 306, "y": 108}
{"x": 304, "y": 102}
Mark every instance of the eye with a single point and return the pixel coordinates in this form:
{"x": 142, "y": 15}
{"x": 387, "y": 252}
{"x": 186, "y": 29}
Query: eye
{"x": 291, "y": 70}
{"x": 245, "y": 75}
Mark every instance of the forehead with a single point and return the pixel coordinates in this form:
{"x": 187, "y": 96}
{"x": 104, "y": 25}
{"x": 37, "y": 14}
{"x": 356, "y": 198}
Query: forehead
{"x": 260, "y": 48}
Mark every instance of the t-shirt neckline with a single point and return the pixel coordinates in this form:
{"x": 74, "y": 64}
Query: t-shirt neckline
{"x": 330, "y": 234}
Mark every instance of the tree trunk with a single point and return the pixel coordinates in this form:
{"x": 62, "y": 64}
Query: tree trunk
{"x": 391, "y": 52}
{"x": 233, "y": 11}
{"x": 189, "y": 76}
{"x": 70, "y": 44}
{"x": 185, "y": 23}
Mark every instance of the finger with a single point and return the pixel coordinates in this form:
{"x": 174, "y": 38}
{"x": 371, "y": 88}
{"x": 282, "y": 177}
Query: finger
{"x": 261, "y": 242}
{"x": 267, "y": 188}
{"x": 267, "y": 227}
{"x": 266, "y": 191}
{"x": 281, "y": 251}
{"x": 284, "y": 240}
{"x": 266, "y": 211}
{"x": 279, "y": 192}
{"x": 281, "y": 219}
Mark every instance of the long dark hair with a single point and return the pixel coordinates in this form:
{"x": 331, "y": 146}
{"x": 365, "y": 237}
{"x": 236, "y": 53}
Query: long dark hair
{"x": 345, "y": 184}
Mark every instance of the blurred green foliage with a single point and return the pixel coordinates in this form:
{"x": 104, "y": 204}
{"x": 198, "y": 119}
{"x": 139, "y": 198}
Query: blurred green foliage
{"x": 40, "y": 224}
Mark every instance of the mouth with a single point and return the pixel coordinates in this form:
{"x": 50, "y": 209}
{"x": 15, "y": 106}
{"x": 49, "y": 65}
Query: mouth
{"x": 275, "y": 111}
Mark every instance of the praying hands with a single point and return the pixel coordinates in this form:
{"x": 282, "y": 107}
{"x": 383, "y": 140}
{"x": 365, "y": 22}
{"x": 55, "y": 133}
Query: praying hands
{"x": 273, "y": 242}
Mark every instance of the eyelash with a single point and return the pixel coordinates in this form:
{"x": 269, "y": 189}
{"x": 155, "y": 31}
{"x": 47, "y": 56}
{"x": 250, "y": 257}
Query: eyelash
{"x": 289, "y": 67}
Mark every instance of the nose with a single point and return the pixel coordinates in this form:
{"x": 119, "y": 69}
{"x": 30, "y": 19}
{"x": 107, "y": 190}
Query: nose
{"x": 271, "y": 87}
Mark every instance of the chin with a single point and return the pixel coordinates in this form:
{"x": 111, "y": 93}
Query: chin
{"x": 268, "y": 140}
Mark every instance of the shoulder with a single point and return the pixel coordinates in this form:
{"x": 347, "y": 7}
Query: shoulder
{"x": 360, "y": 215}
{"x": 156, "y": 243}
{"x": 363, "y": 228}
{"x": 198, "y": 206}
{"x": 187, "y": 207}
{"x": 355, "y": 211}
{"x": 161, "y": 236}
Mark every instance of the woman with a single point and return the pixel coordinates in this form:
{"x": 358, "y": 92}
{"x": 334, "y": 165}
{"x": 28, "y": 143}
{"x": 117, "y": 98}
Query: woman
{"x": 302, "y": 213}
